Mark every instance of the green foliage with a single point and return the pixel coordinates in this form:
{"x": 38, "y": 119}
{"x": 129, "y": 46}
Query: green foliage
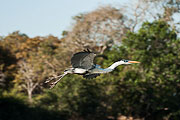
{"x": 76, "y": 96}
{"x": 148, "y": 90}
{"x": 152, "y": 88}
{"x": 15, "y": 109}
{"x": 7, "y": 67}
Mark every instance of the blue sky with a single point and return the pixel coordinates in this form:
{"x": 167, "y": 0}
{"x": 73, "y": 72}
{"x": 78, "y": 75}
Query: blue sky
{"x": 44, "y": 17}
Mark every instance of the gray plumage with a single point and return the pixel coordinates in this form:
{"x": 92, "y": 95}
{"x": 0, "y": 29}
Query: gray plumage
{"x": 83, "y": 64}
{"x": 83, "y": 60}
{"x": 90, "y": 76}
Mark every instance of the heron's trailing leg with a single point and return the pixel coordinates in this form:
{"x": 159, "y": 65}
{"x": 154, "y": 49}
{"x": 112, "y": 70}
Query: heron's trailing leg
{"x": 59, "y": 77}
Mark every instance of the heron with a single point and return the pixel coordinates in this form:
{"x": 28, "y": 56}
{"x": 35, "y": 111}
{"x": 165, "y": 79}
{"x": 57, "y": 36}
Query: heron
{"x": 83, "y": 64}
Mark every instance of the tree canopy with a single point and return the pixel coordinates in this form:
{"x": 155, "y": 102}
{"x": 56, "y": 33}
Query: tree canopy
{"x": 149, "y": 90}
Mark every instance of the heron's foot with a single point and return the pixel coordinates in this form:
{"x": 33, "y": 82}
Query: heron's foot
{"x": 56, "y": 78}
{"x": 47, "y": 81}
{"x": 52, "y": 78}
{"x": 52, "y": 85}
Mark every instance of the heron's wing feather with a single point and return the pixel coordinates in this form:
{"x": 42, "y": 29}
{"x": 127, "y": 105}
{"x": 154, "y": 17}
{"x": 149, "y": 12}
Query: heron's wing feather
{"x": 83, "y": 60}
{"x": 90, "y": 76}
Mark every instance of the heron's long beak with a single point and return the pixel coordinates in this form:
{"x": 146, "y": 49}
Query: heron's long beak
{"x": 133, "y": 62}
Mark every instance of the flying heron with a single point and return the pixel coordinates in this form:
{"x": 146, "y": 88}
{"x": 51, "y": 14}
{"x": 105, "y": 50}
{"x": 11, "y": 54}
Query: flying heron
{"x": 82, "y": 64}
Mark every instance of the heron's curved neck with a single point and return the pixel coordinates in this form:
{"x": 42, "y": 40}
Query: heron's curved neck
{"x": 114, "y": 65}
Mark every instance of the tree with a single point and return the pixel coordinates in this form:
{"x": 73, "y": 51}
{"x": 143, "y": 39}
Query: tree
{"x": 97, "y": 29}
{"x": 166, "y": 10}
{"x": 28, "y": 56}
{"x": 8, "y": 67}
{"x": 2, "y": 79}
{"x": 140, "y": 88}
{"x": 149, "y": 90}
{"x": 33, "y": 67}
{"x": 28, "y": 77}
{"x": 13, "y": 43}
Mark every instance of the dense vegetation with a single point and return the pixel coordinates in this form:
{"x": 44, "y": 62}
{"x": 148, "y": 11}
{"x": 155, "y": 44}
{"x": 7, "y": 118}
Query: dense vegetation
{"x": 149, "y": 90}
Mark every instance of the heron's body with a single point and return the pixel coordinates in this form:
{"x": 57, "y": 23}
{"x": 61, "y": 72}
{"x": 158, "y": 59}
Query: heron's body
{"x": 79, "y": 71}
{"x": 82, "y": 64}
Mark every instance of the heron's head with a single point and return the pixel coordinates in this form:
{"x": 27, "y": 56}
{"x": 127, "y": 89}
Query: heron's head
{"x": 128, "y": 61}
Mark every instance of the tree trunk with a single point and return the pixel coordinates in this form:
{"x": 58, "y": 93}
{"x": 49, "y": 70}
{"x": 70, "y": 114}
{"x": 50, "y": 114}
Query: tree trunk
{"x": 30, "y": 96}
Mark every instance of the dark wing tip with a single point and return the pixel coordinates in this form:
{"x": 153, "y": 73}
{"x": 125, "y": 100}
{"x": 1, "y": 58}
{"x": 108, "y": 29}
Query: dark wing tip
{"x": 91, "y": 76}
{"x": 87, "y": 50}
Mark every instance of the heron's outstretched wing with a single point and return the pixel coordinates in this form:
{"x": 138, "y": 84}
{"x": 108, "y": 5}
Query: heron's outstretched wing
{"x": 83, "y": 59}
{"x": 90, "y": 76}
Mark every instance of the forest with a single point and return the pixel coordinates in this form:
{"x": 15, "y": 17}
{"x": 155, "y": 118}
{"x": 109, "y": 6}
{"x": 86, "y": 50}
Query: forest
{"x": 146, "y": 91}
